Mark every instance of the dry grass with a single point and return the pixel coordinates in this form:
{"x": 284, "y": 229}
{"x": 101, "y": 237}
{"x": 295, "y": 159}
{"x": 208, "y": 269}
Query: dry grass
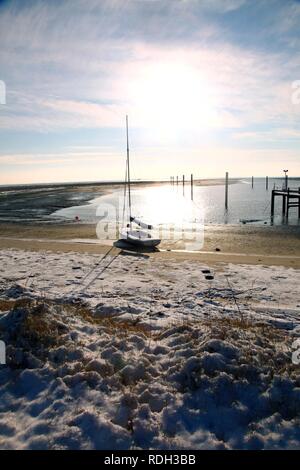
{"x": 258, "y": 329}
{"x": 113, "y": 325}
{"x": 36, "y": 328}
{"x": 40, "y": 331}
{"x": 33, "y": 330}
{"x": 260, "y": 343}
{"x": 6, "y": 305}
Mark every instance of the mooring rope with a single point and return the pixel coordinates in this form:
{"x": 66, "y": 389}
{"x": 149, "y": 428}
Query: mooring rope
{"x": 98, "y": 265}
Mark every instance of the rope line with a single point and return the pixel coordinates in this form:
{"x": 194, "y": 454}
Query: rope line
{"x": 99, "y": 274}
{"x": 100, "y": 266}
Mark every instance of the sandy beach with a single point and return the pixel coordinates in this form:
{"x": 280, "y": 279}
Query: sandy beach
{"x": 256, "y": 245}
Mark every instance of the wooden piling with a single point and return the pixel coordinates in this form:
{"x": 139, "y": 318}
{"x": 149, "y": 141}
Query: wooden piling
{"x": 290, "y": 198}
{"x": 283, "y": 205}
{"x": 226, "y": 191}
{"x": 183, "y": 184}
{"x": 192, "y": 189}
{"x": 288, "y": 203}
{"x": 272, "y": 202}
{"x": 267, "y": 183}
{"x": 252, "y": 182}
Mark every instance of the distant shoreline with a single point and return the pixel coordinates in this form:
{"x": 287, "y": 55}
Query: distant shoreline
{"x": 113, "y": 184}
{"x": 198, "y": 181}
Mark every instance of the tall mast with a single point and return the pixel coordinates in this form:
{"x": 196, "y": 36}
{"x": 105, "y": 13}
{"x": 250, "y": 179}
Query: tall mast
{"x": 128, "y": 168}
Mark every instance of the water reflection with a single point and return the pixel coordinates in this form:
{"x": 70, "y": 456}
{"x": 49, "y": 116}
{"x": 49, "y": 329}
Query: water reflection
{"x": 166, "y": 206}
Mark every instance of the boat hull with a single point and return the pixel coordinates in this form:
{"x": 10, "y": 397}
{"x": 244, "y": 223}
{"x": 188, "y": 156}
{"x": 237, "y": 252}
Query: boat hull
{"x": 139, "y": 238}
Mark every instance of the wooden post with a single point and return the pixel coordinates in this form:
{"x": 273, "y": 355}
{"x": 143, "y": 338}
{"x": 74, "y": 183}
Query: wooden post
{"x": 192, "y": 189}
{"x": 272, "y": 202}
{"x": 267, "y": 183}
{"x": 283, "y": 205}
{"x": 299, "y": 204}
{"x": 286, "y": 181}
{"x": 252, "y": 182}
{"x": 183, "y": 184}
{"x": 226, "y": 191}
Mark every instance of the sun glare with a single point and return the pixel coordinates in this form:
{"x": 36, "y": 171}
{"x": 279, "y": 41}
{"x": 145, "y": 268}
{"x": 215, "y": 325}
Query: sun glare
{"x": 173, "y": 96}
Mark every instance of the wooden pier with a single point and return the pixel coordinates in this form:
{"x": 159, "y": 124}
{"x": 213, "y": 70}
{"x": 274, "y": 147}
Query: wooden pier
{"x": 290, "y": 198}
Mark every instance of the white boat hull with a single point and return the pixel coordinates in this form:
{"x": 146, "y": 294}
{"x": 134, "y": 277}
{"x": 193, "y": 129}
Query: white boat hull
{"x": 139, "y": 238}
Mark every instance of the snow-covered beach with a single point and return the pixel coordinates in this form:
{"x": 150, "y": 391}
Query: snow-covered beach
{"x": 130, "y": 351}
{"x": 149, "y": 231}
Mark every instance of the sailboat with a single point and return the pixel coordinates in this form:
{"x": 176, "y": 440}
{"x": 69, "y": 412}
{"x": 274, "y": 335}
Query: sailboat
{"x": 134, "y": 236}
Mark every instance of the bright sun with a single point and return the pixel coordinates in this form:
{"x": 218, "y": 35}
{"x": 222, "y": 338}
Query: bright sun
{"x": 172, "y": 96}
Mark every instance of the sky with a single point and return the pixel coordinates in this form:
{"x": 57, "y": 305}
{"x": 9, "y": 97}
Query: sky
{"x": 209, "y": 86}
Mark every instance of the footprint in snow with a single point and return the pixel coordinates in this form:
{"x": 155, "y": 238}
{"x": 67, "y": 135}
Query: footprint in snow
{"x": 208, "y": 275}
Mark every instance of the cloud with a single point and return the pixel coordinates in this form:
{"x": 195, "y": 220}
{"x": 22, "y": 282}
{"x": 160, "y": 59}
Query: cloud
{"x": 220, "y": 6}
{"x": 270, "y": 136}
{"x": 84, "y": 65}
{"x": 244, "y": 87}
{"x": 57, "y": 158}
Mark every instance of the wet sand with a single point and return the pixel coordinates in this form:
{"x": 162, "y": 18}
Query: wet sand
{"x": 237, "y": 244}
